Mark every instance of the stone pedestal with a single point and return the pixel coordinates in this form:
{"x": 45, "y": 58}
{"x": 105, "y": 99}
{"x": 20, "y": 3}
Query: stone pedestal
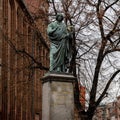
{"x": 58, "y": 97}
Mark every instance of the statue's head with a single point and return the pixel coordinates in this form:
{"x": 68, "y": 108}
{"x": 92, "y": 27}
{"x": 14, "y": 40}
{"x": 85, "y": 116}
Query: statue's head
{"x": 59, "y": 17}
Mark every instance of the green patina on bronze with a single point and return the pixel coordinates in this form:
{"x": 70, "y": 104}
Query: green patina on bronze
{"x": 60, "y": 45}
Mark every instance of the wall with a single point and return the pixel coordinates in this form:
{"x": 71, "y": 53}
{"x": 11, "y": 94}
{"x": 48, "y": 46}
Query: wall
{"x": 0, "y": 55}
{"x": 21, "y": 85}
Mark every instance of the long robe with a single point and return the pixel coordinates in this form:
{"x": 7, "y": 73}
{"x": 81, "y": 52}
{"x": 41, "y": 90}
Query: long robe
{"x": 60, "y": 51}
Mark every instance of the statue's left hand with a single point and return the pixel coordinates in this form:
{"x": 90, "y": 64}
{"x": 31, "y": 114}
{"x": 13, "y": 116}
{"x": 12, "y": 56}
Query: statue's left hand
{"x": 70, "y": 28}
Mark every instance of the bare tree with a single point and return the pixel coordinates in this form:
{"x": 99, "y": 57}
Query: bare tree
{"x": 96, "y": 48}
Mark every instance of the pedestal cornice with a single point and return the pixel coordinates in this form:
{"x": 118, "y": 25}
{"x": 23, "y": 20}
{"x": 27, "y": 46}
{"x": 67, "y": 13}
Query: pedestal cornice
{"x": 58, "y": 77}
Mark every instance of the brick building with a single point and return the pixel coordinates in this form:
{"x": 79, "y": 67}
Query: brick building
{"x": 100, "y": 113}
{"x": 0, "y": 57}
{"x": 110, "y": 111}
{"x": 118, "y": 107}
{"x": 24, "y": 57}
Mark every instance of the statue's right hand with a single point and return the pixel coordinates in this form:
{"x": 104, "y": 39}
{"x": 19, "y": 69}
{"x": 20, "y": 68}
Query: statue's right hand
{"x": 67, "y": 36}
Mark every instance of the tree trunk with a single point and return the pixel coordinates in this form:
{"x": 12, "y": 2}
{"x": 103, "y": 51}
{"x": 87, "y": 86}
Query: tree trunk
{"x": 86, "y": 117}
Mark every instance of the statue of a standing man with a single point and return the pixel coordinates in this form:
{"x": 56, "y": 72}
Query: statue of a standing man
{"x": 60, "y": 45}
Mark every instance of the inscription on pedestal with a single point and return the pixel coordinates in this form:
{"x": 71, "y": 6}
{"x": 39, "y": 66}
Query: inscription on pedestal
{"x": 62, "y": 101}
{"x": 58, "y": 99}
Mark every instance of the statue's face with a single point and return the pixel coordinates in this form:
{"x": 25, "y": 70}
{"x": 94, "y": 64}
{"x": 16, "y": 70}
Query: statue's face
{"x": 59, "y": 18}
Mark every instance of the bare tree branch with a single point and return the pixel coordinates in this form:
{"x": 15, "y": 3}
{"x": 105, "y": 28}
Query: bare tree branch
{"x": 39, "y": 64}
{"x": 55, "y": 10}
{"x": 114, "y": 29}
{"x": 106, "y": 87}
{"x": 109, "y": 6}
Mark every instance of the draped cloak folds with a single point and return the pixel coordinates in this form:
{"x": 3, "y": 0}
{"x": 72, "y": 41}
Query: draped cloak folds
{"x": 60, "y": 47}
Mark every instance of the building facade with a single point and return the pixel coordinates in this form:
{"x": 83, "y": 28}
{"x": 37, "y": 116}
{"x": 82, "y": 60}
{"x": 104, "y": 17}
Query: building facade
{"x": 24, "y": 58}
{"x": 0, "y": 57}
{"x": 110, "y": 111}
{"x": 118, "y": 107}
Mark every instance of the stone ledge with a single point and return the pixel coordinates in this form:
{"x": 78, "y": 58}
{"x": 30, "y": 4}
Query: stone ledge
{"x": 58, "y": 77}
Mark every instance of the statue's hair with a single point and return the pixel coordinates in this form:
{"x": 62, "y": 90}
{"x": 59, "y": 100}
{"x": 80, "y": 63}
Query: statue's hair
{"x": 59, "y": 15}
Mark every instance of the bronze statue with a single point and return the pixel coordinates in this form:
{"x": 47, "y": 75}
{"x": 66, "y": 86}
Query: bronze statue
{"x": 60, "y": 45}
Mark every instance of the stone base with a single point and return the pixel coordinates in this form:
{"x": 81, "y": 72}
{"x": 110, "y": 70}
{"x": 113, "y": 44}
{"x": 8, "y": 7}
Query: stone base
{"x": 58, "y": 97}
